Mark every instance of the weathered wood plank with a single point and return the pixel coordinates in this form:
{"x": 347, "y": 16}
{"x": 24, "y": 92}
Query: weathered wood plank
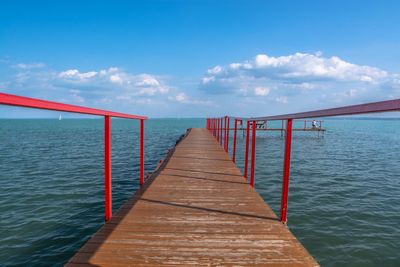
{"x": 200, "y": 211}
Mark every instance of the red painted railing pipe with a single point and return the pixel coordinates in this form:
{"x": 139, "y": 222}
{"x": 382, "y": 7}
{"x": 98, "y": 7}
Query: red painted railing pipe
{"x": 220, "y": 133}
{"x": 227, "y": 133}
{"x": 214, "y": 128}
{"x": 286, "y": 171}
{"x": 224, "y": 134}
{"x": 107, "y": 168}
{"x": 218, "y": 129}
{"x": 253, "y": 154}
{"x": 28, "y": 102}
{"x": 141, "y": 152}
{"x": 246, "y": 156}
{"x": 234, "y": 142}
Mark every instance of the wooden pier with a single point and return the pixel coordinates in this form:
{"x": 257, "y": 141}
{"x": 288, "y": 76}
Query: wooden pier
{"x": 197, "y": 209}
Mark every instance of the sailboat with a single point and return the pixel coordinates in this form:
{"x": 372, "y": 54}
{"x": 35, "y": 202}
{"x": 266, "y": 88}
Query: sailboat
{"x": 59, "y": 118}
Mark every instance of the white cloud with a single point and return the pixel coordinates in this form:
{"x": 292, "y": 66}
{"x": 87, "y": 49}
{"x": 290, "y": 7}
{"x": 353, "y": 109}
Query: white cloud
{"x": 129, "y": 84}
{"x": 282, "y": 99}
{"x": 301, "y": 74}
{"x": 181, "y": 97}
{"x": 184, "y": 99}
{"x": 76, "y": 75}
{"x": 109, "y": 88}
{"x": 310, "y": 67}
{"x": 261, "y": 91}
{"x": 26, "y": 66}
{"x": 295, "y": 68}
{"x": 216, "y": 70}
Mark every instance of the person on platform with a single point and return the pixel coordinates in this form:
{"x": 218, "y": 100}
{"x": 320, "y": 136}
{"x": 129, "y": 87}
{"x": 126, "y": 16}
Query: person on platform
{"x": 314, "y": 124}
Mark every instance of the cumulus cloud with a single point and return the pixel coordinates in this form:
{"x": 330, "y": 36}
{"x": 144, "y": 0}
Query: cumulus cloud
{"x": 284, "y": 78}
{"x": 129, "y": 84}
{"x": 185, "y": 99}
{"x": 261, "y": 91}
{"x": 26, "y": 66}
{"x": 76, "y": 75}
{"x": 311, "y": 67}
{"x": 110, "y": 88}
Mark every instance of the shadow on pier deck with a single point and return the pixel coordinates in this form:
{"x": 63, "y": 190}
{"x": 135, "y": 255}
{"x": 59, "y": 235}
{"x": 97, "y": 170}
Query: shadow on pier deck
{"x": 198, "y": 210}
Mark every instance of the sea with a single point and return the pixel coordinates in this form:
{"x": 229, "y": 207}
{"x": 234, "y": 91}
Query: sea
{"x": 344, "y": 200}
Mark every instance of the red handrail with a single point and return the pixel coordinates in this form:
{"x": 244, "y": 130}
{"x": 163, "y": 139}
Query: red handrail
{"x": 20, "y": 101}
{"x": 375, "y": 107}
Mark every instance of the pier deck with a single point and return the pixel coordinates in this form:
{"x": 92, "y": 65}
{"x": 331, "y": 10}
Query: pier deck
{"x": 197, "y": 210}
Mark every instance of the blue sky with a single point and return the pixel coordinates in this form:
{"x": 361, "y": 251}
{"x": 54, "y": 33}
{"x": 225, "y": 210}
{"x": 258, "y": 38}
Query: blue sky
{"x": 200, "y": 58}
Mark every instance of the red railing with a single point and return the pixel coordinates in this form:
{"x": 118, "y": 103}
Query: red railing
{"x": 13, "y": 100}
{"x": 213, "y": 124}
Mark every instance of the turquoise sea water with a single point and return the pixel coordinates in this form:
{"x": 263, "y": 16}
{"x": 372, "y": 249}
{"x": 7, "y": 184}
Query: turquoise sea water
{"x": 344, "y": 201}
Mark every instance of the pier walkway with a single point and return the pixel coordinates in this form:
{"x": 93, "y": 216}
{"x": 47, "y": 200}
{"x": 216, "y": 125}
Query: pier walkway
{"x": 197, "y": 209}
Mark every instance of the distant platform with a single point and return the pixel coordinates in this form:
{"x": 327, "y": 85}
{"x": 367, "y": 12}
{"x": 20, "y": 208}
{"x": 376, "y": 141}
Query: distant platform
{"x": 308, "y": 126}
{"x": 283, "y": 129}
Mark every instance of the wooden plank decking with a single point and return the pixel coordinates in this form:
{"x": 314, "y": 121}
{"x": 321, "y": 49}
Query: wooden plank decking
{"x": 197, "y": 211}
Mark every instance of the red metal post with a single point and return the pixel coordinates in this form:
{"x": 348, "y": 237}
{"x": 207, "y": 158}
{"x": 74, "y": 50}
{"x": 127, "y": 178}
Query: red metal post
{"x": 107, "y": 168}
{"x": 246, "y": 157}
{"x": 234, "y": 142}
{"x": 220, "y": 133}
{"x": 224, "y": 141}
{"x": 253, "y": 154}
{"x": 218, "y": 130}
{"x": 214, "y": 127}
{"x": 227, "y": 133}
{"x": 141, "y": 152}
{"x": 286, "y": 172}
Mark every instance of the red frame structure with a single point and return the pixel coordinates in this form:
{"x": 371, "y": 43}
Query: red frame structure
{"x": 27, "y": 102}
{"x": 375, "y": 107}
{"x": 246, "y": 162}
